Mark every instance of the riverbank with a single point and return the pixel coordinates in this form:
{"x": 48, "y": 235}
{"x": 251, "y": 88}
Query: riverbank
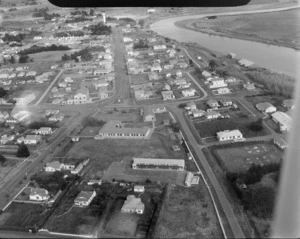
{"x": 279, "y": 29}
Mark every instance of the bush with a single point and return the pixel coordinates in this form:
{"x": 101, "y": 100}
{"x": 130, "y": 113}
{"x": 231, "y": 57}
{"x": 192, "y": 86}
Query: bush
{"x": 89, "y": 121}
{"x": 36, "y": 49}
{"x": 256, "y": 126}
{"x": 23, "y": 151}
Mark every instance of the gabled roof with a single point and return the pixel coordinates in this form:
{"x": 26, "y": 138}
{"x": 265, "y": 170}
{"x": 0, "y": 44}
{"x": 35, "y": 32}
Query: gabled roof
{"x": 84, "y": 196}
{"x": 264, "y": 106}
{"x": 133, "y": 204}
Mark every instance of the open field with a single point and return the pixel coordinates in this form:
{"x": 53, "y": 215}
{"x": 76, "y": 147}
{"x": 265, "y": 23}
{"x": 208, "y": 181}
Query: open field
{"x": 6, "y": 167}
{"x": 209, "y": 129}
{"x": 188, "y": 213}
{"x": 49, "y": 56}
{"x": 240, "y": 158}
{"x": 22, "y": 216}
{"x": 278, "y": 28}
{"x": 129, "y": 115}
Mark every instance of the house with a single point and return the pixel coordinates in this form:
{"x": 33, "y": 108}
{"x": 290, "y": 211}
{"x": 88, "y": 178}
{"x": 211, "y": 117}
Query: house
{"x": 133, "y": 205}
{"x": 53, "y": 166}
{"x": 102, "y": 95}
{"x": 175, "y": 148}
{"x": 168, "y": 66}
{"x": 82, "y": 96}
{"x": 159, "y": 110}
{"x": 280, "y": 142}
{"x": 229, "y": 135}
{"x": 249, "y": 86}
{"x": 212, "y": 103}
{"x": 230, "y": 79}
{"x": 198, "y": 113}
{"x": 223, "y": 90}
{"x": 212, "y": 115}
{"x": 38, "y": 194}
{"x": 44, "y": 131}
{"x": 151, "y": 10}
{"x": 153, "y": 76}
{"x": 191, "y": 179}
{"x": 11, "y": 120}
{"x": 244, "y": 62}
{"x": 142, "y": 94}
{"x": 84, "y": 198}
{"x": 32, "y": 139}
{"x": 168, "y": 74}
{"x": 167, "y": 87}
{"x": 226, "y": 102}
{"x": 289, "y": 104}
{"x": 148, "y": 114}
{"x": 139, "y": 189}
{"x": 283, "y": 120}
{"x": 56, "y": 117}
{"x": 206, "y": 74}
{"x": 217, "y": 83}
{"x": 188, "y": 92}
{"x": 191, "y": 106}
{"x": 231, "y": 55}
{"x": 77, "y": 169}
{"x": 159, "y": 47}
{"x": 153, "y": 163}
{"x": 94, "y": 181}
{"x": 156, "y": 67}
{"x": 266, "y": 107}
{"x": 168, "y": 95}
{"x": 24, "y": 98}
{"x": 116, "y": 129}
{"x": 179, "y": 73}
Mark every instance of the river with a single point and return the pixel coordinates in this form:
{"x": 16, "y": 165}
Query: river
{"x": 276, "y": 58}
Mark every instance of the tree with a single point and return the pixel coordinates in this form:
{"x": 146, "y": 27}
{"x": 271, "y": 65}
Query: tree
{"x": 213, "y": 64}
{"x": 24, "y": 59}
{"x": 92, "y": 12}
{"x": 2, "y": 159}
{"x": 3, "y": 92}
{"x": 141, "y": 22}
{"x": 12, "y": 60}
{"x": 23, "y": 151}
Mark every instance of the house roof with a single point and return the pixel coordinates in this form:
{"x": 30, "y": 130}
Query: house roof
{"x": 177, "y": 162}
{"x": 288, "y": 103}
{"x": 84, "y": 196}
{"x": 54, "y": 164}
{"x": 133, "y": 204}
{"x": 263, "y": 106}
{"x": 212, "y": 101}
{"x": 282, "y": 118}
{"x": 139, "y": 187}
{"x": 211, "y": 113}
{"x": 38, "y": 191}
{"x": 227, "y": 133}
{"x": 33, "y": 137}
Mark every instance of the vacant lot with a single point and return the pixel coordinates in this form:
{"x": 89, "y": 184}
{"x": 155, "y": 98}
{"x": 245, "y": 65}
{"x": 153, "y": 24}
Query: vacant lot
{"x": 188, "y": 213}
{"x": 238, "y": 159}
{"x": 278, "y": 28}
{"x": 210, "y": 128}
{"x": 22, "y": 216}
{"x": 7, "y": 166}
{"x": 47, "y": 56}
{"x": 129, "y": 115}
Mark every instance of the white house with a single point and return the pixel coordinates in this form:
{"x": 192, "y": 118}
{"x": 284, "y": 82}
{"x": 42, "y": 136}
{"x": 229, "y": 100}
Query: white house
{"x": 139, "y": 189}
{"x": 223, "y": 90}
{"x": 38, "y": 194}
{"x": 266, "y": 107}
{"x": 206, "y": 74}
{"x": 156, "y": 68}
{"x": 84, "y": 198}
{"x": 159, "y": 47}
{"x": 53, "y": 166}
{"x": 191, "y": 106}
{"x": 32, "y": 139}
{"x": 168, "y": 95}
{"x": 217, "y": 83}
{"x": 44, "y": 131}
{"x": 229, "y": 135}
{"x": 212, "y": 115}
{"x": 189, "y": 92}
{"x": 197, "y": 113}
{"x": 133, "y": 205}
{"x": 283, "y": 119}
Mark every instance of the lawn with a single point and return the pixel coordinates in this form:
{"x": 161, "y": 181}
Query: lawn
{"x": 22, "y": 216}
{"x": 7, "y": 166}
{"x": 240, "y": 158}
{"x": 209, "y": 129}
{"x": 129, "y": 115}
{"x": 49, "y": 55}
{"x": 187, "y": 213}
{"x": 90, "y": 131}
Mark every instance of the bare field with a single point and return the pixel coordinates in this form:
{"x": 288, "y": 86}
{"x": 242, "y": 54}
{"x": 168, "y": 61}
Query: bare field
{"x": 239, "y": 159}
{"x": 188, "y": 213}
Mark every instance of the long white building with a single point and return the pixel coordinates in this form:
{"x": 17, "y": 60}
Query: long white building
{"x": 283, "y": 120}
{"x": 229, "y": 135}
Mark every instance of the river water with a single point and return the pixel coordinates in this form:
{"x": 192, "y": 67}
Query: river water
{"x": 279, "y": 59}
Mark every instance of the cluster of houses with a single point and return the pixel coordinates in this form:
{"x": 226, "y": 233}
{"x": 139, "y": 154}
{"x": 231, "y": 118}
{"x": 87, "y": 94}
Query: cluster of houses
{"x": 57, "y": 166}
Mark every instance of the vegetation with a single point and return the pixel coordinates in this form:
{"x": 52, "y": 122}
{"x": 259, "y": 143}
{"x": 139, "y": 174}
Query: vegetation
{"x": 141, "y": 44}
{"x": 18, "y": 38}
{"x": 2, "y": 159}
{"x": 275, "y": 82}
{"x": 78, "y": 12}
{"x": 23, "y": 151}
{"x": 36, "y": 49}
{"x": 100, "y": 29}
{"x": 39, "y": 124}
{"x": 24, "y": 59}
{"x": 69, "y": 33}
{"x": 84, "y": 55}
{"x": 256, "y": 126}
{"x": 81, "y": 18}
{"x": 3, "y": 92}
{"x": 141, "y": 22}
{"x": 90, "y": 121}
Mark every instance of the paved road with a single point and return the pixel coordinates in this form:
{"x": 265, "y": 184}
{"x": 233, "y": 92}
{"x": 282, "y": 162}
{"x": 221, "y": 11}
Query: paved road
{"x": 49, "y": 88}
{"x": 227, "y": 208}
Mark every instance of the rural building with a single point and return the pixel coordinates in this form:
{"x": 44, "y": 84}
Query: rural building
{"x": 32, "y": 139}
{"x": 198, "y": 113}
{"x": 226, "y": 102}
{"x": 159, "y": 47}
{"x": 191, "y": 179}
{"x": 212, "y": 115}
{"x": 53, "y": 166}
{"x": 148, "y": 114}
{"x": 153, "y": 163}
{"x": 212, "y": 103}
{"x": 229, "y": 135}
{"x": 94, "y": 181}
{"x": 223, "y": 90}
{"x": 284, "y": 121}
{"x": 217, "y": 83}
{"x": 44, "y": 131}
{"x": 289, "y": 104}
{"x": 231, "y": 55}
{"x": 133, "y": 205}
{"x": 191, "y": 106}
{"x": 77, "y": 169}
{"x": 139, "y": 189}
{"x": 116, "y": 129}
{"x": 25, "y": 98}
{"x": 153, "y": 76}
{"x": 56, "y": 117}
{"x": 82, "y": 96}
{"x": 38, "y": 194}
{"x": 246, "y": 63}
{"x": 206, "y": 74}
{"x": 84, "y": 198}
{"x": 266, "y": 107}
{"x": 280, "y": 142}
{"x": 249, "y": 86}
{"x": 159, "y": 110}
{"x": 168, "y": 95}
{"x": 189, "y": 92}
{"x": 175, "y": 148}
